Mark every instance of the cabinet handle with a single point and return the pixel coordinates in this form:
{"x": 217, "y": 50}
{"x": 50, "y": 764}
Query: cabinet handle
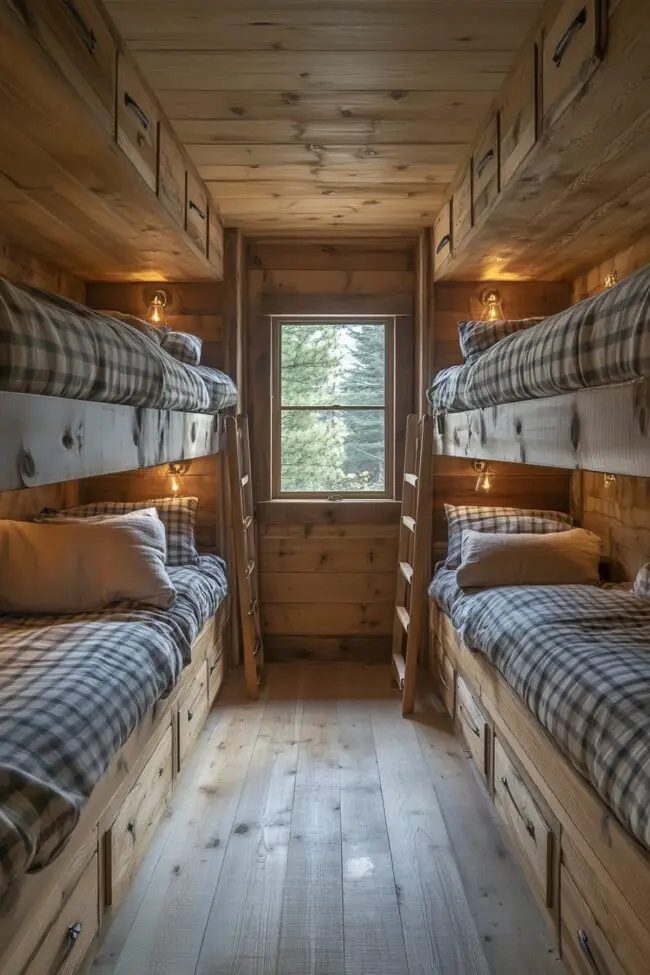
{"x": 190, "y": 715}
{"x": 131, "y": 103}
{"x": 72, "y": 935}
{"x": 130, "y": 828}
{"x": 487, "y": 158}
{"x": 443, "y": 243}
{"x": 572, "y": 30}
{"x": 585, "y": 948}
{"x": 197, "y": 209}
{"x": 528, "y": 823}
{"x": 473, "y": 728}
{"x": 86, "y": 32}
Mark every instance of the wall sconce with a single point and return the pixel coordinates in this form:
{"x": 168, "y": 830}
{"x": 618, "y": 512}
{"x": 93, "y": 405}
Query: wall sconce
{"x": 611, "y": 279}
{"x": 176, "y": 471}
{"x": 492, "y": 310}
{"x": 484, "y": 475}
{"x": 156, "y": 311}
{"x": 609, "y": 479}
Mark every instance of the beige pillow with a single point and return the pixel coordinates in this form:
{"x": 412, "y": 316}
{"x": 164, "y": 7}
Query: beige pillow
{"x": 78, "y": 567}
{"x": 559, "y": 558}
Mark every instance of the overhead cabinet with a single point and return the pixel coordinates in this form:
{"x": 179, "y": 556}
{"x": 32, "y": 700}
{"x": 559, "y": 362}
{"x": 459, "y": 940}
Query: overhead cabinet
{"x": 442, "y": 236}
{"x": 485, "y": 169}
{"x": 572, "y": 48}
{"x": 172, "y": 175}
{"x": 137, "y": 120}
{"x": 461, "y": 208}
{"x": 518, "y": 116}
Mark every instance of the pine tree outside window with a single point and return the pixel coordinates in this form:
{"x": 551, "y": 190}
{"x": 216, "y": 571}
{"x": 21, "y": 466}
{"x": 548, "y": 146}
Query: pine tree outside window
{"x": 332, "y": 407}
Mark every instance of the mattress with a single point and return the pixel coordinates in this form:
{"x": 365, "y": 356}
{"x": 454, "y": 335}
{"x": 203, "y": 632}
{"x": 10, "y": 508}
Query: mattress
{"x": 53, "y": 346}
{"x": 72, "y": 690}
{"x": 599, "y": 342}
{"x": 579, "y": 657}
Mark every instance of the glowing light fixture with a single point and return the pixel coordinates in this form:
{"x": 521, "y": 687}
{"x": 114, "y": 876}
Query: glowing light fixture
{"x": 492, "y": 310}
{"x": 156, "y": 311}
{"x": 611, "y": 279}
{"x": 176, "y": 471}
{"x": 484, "y": 475}
{"x": 609, "y": 479}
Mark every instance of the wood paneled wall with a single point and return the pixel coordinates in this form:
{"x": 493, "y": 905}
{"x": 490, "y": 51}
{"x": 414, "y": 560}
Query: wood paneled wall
{"x": 21, "y": 267}
{"x": 619, "y": 510}
{"x": 327, "y": 570}
{"x": 454, "y": 480}
{"x": 195, "y": 308}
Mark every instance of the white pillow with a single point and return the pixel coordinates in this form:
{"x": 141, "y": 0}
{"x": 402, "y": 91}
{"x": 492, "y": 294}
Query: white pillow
{"x": 558, "y": 558}
{"x": 81, "y": 566}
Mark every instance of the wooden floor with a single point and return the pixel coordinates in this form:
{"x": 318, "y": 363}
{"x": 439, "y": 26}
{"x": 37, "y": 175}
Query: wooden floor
{"x": 318, "y": 833}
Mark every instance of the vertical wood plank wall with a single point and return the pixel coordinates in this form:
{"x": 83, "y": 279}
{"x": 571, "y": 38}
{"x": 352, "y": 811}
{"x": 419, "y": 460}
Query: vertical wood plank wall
{"x": 454, "y": 480}
{"x": 618, "y": 511}
{"x": 194, "y": 308}
{"x": 18, "y": 266}
{"x": 327, "y": 570}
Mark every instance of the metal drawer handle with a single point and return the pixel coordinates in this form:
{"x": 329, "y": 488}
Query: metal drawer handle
{"x": 487, "y": 158}
{"x": 470, "y": 722}
{"x": 131, "y": 103}
{"x": 585, "y": 948}
{"x": 197, "y": 209}
{"x": 572, "y": 30}
{"x": 528, "y": 823}
{"x": 86, "y": 32}
{"x": 190, "y": 715}
{"x": 72, "y": 936}
{"x": 444, "y": 242}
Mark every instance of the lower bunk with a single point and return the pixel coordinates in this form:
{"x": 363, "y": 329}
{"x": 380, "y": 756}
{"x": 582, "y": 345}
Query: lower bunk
{"x": 590, "y": 874}
{"x": 67, "y": 859}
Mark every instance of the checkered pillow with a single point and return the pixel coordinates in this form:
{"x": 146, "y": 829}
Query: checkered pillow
{"x": 178, "y": 515}
{"x": 183, "y": 347}
{"x": 535, "y": 521}
{"x": 476, "y": 337}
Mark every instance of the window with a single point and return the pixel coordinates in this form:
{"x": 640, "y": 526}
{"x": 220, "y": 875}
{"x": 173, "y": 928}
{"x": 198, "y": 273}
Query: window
{"x": 332, "y": 411}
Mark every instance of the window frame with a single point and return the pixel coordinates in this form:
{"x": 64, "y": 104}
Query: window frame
{"x": 389, "y": 323}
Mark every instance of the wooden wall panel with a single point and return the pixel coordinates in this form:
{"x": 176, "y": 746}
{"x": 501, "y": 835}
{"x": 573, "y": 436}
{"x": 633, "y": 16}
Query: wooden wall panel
{"x": 619, "y": 510}
{"x": 454, "y": 480}
{"x": 327, "y": 570}
{"x": 19, "y": 266}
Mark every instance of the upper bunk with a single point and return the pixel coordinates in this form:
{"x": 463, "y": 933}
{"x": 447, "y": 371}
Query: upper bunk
{"x": 84, "y": 392}
{"x": 571, "y": 391}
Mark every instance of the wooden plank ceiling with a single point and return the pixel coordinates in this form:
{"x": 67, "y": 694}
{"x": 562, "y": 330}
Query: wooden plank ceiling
{"x": 326, "y": 114}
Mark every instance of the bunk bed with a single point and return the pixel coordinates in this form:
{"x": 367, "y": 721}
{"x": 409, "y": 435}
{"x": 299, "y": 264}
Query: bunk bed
{"x": 116, "y": 398}
{"x": 550, "y": 684}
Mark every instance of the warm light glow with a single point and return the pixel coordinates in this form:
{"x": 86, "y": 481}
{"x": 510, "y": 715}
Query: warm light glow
{"x": 485, "y": 475}
{"x": 492, "y": 310}
{"x": 176, "y": 471}
{"x": 156, "y": 311}
{"x": 609, "y": 479}
{"x": 611, "y": 279}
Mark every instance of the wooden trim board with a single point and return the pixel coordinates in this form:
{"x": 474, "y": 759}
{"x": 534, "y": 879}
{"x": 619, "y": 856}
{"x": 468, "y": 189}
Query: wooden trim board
{"x": 46, "y": 439}
{"x": 605, "y": 429}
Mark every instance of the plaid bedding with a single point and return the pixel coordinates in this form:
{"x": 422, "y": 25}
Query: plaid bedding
{"x": 53, "y": 346}
{"x": 579, "y": 657}
{"x": 72, "y": 690}
{"x": 598, "y": 342}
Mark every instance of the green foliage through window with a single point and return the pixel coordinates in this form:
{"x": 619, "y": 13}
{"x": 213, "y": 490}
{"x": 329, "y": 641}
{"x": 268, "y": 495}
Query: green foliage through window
{"x": 333, "y": 407}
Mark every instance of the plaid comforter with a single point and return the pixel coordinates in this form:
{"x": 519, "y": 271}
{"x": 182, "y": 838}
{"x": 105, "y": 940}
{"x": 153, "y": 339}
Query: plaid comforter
{"x": 72, "y": 690}
{"x": 598, "y": 342}
{"x": 579, "y": 657}
{"x": 53, "y": 346}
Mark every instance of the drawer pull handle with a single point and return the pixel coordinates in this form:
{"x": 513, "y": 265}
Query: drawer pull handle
{"x": 190, "y": 715}
{"x": 130, "y": 828}
{"x": 72, "y": 936}
{"x": 131, "y": 103}
{"x": 194, "y": 206}
{"x": 444, "y": 242}
{"x": 572, "y": 30}
{"x": 528, "y": 823}
{"x": 585, "y": 948}
{"x": 487, "y": 158}
{"x": 473, "y": 728}
{"x": 86, "y": 32}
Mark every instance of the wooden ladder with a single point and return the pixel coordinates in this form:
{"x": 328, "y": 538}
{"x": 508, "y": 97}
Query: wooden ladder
{"x": 245, "y": 550}
{"x": 413, "y": 555}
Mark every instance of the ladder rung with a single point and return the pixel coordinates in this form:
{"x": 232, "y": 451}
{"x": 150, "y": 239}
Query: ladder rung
{"x": 250, "y": 568}
{"x": 409, "y": 523}
{"x": 244, "y": 480}
{"x": 407, "y": 571}
{"x": 248, "y": 521}
{"x": 411, "y": 479}
{"x": 403, "y": 617}
{"x": 400, "y": 667}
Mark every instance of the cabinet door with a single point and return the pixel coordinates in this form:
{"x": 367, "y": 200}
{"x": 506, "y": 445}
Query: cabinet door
{"x": 473, "y": 726}
{"x": 192, "y": 712}
{"x": 461, "y": 209}
{"x": 171, "y": 175}
{"x": 485, "y": 163}
{"x": 73, "y": 930}
{"x": 518, "y": 116}
{"x": 572, "y": 50}
{"x": 137, "y": 120}
{"x": 442, "y": 237}
{"x": 196, "y": 213}
{"x": 215, "y": 238}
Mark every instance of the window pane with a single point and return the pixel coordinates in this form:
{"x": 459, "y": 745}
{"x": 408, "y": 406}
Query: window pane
{"x": 338, "y": 364}
{"x": 333, "y": 450}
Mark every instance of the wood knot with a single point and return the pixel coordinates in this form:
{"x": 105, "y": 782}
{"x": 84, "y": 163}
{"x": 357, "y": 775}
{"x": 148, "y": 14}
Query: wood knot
{"x": 26, "y": 465}
{"x": 575, "y": 431}
{"x": 193, "y": 432}
{"x": 518, "y": 427}
{"x": 67, "y": 440}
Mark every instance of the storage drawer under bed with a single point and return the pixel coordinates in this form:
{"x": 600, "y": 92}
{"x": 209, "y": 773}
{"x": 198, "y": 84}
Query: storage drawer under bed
{"x": 473, "y": 726}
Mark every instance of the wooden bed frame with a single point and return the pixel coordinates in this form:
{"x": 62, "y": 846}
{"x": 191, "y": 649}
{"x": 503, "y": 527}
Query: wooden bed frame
{"x": 590, "y": 876}
{"x": 51, "y": 924}
{"x": 605, "y": 429}
{"x": 46, "y": 439}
